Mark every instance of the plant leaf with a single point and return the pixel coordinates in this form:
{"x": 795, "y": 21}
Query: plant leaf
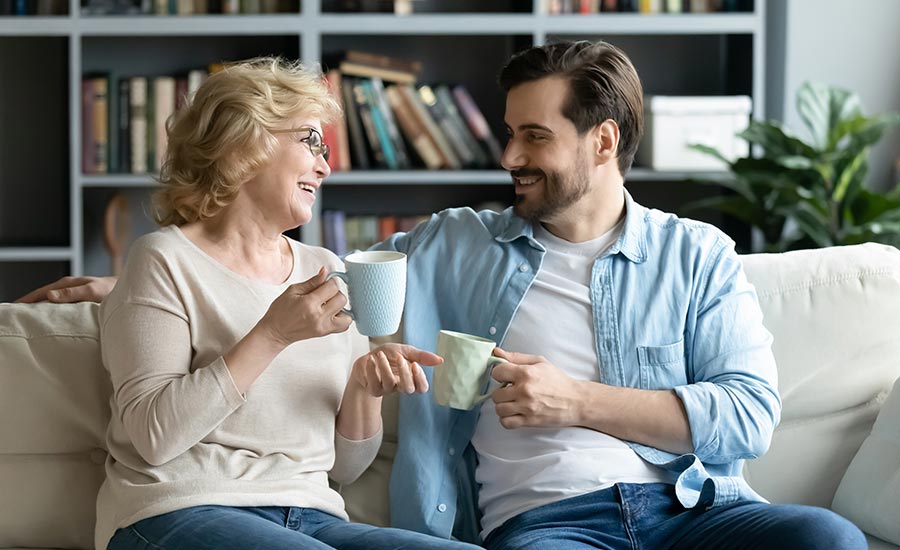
{"x": 812, "y": 225}
{"x": 775, "y": 140}
{"x": 709, "y": 151}
{"x": 848, "y": 175}
{"x": 822, "y": 108}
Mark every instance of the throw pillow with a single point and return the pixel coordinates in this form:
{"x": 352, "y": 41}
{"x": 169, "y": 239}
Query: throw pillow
{"x": 869, "y": 494}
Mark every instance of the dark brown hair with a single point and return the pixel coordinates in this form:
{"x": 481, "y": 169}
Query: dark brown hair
{"x": 603, "y": 85}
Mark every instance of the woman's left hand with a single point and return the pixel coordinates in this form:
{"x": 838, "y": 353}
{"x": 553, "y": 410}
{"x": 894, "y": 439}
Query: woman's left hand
{"x": 393, "y": 367}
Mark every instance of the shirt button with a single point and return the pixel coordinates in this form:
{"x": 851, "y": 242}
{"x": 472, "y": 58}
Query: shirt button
{"x": 442, "y": 507}
{"x": 492, "y": 330}
{"x": 451, "y": 451}
{"x": 524, "y": 268}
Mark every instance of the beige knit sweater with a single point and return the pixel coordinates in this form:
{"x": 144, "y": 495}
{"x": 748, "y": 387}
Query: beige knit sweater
{"x": 181, "y": 434}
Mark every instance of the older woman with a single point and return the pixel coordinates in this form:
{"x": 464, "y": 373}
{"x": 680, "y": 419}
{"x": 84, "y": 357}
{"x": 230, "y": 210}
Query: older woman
{"x": 238, "y": 385}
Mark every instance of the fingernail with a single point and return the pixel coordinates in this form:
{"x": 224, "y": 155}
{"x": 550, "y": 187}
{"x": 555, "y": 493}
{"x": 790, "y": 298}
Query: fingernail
{"x": 53, "y": 295}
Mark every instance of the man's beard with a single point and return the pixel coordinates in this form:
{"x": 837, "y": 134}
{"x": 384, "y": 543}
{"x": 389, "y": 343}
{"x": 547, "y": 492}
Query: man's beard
{"x": 559, "y": 193}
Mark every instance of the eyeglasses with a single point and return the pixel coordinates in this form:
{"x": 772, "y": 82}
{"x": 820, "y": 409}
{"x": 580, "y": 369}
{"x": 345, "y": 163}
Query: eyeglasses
{"x": 313, "y": 140}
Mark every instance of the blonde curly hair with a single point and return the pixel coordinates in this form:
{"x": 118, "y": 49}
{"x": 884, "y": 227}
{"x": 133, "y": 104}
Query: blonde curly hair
{"x": 222, "y": 137}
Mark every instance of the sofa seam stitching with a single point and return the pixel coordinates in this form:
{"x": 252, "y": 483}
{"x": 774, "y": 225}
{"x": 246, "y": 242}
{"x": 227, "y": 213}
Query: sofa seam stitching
{"x": 809, "y": 420}
{"x": 825, "y": 282}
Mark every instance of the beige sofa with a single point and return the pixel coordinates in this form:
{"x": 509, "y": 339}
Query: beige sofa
{"x": 835, "y": 315}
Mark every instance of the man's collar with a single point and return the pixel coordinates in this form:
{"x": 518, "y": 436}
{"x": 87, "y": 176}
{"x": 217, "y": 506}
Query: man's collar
{"x": 631, "y": 242}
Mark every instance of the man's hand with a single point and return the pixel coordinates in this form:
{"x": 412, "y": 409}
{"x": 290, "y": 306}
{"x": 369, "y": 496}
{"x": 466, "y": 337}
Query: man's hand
{"x": 393, "y": 368}
{"x": 536, "y": 393}
{"x": 72, "y": 289}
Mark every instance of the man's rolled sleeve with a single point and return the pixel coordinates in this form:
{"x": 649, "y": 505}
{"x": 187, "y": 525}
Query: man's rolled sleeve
{"x": 733, "y": 404}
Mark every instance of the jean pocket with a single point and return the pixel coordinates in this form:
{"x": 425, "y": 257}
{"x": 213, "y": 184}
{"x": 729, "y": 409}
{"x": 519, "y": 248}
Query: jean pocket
{"x": 662, "y": 367}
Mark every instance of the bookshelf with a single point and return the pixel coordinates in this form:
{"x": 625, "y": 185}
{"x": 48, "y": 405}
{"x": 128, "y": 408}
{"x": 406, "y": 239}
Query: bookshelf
{"x": 51, "y": 213}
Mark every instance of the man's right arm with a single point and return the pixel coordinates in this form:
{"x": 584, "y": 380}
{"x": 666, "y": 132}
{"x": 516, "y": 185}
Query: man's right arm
{"x": 72, "y": 289}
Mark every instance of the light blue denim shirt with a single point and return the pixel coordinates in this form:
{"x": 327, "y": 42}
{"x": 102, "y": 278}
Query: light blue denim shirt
{"x": 672, "y": 309}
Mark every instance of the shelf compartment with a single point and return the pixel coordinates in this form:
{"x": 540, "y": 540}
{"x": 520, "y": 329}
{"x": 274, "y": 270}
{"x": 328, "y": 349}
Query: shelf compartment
{"x": 18, "y": 278}
{"x": 34, "y": 141}
{"x": 97, "y": 259}
{"x": 432, "y": 6}
{"x": 706, "y": 62}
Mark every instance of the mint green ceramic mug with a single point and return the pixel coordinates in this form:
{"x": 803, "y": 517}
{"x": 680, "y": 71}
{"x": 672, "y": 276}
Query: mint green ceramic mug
{"x": 468, "y": 361}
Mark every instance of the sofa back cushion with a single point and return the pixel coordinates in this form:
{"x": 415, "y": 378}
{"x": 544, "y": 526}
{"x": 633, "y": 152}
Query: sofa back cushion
{"x": 834, "y": 316}
{"x": 54, "y": 405}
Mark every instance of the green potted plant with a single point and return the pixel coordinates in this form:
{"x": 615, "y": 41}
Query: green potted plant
{"x": 810, "y": 194}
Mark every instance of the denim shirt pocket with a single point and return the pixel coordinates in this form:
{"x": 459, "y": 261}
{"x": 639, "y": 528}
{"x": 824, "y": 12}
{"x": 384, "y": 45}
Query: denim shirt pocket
{"x": 662, "y": 367}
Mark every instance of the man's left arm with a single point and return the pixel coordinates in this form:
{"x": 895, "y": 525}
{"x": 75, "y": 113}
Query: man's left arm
{"x": 728, "y": 411}
{"x": 540, "y": 394}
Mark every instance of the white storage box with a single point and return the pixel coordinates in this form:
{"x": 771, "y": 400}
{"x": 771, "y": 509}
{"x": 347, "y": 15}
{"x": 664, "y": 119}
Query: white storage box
{"x": 672, "y": 124}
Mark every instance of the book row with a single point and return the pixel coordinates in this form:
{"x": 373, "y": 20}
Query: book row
{"x": 342, "y": 233}
{"x": 34, "y": 7}
{"x": 123, "y": 120}
{"x": 403, "y": 125}
{"x": 187, "y": 7}
{"x": 558, "y": 7}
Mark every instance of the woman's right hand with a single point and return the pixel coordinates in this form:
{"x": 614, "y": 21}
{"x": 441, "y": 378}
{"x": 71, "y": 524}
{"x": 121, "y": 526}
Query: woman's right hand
{"x": 307, "y": 310}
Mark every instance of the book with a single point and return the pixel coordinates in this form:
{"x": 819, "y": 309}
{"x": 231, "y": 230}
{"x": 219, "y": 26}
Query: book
{"x": 453, "y": 135}
{"x": 95, "y": 124}
{"x": 163, "y": 109}
{"x": 477, "y": 123}
{"x": 364, "y": 109}
{"x": 389, "y": 75}
{"x": 413, "y": 129}
{"x": 380, "y": 124}
{"x": 359, "y": 155}
{"x": 383, "y": 61}
{"x": 449, "y": 158}
{"x": 123, "y": 127}
{"x": 138, "y": 125}
{"x": 397, "y": 143}
{"x": 335, "y": 134}
{"x": 445, "y": 97}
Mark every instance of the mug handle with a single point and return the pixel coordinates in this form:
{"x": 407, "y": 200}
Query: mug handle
{"x": 493, "y": 361}
{"x": 342, "y": 276}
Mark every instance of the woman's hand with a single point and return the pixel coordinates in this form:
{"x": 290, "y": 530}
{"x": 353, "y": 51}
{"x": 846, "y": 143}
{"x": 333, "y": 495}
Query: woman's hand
{"x": 306, "y": 310}
{"x": 393, "y": 367}
{"x": 72, "y": 289}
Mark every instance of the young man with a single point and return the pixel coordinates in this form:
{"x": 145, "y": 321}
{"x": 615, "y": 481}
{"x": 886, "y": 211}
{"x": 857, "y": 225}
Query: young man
{"x": 639, "y": 373}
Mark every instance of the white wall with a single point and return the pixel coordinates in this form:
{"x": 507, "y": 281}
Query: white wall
{"x": 854, "y": 44}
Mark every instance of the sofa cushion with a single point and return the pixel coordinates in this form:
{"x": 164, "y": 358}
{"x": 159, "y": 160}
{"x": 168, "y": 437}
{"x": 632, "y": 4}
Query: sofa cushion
{"x": 869, "y": 494}
{"x": 833, "y": 314}
{"x": 54, "y": 401}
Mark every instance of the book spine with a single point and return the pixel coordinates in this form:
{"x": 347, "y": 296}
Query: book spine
{"x": 477, "y": 123}
{"x": 138, "y": 112}
{"x": 381, "y": 130}
{"x": 124, "y": 126}
{"x": 354, "y": 128}
{"x": 163, "y": 108}
{"x": 365, "y": 115}
{"x": 390, "y": 122}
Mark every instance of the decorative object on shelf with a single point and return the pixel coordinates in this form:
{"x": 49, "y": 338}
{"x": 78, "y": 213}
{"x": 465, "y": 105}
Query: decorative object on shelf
{"x": 809, "y": 194}
{"x": 673, "y": 123}
{"x": 117, "y": 230}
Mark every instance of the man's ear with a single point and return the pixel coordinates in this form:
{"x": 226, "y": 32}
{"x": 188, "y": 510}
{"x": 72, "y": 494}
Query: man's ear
{"x": 605, "y": 141}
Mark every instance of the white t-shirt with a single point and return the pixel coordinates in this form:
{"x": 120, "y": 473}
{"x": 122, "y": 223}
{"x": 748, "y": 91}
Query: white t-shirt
{"x": 524, "y": 468}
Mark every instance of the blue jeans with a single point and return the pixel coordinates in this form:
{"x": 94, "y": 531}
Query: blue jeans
{"x": 267, "y": 528}
{"x": 648, "y": 516}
